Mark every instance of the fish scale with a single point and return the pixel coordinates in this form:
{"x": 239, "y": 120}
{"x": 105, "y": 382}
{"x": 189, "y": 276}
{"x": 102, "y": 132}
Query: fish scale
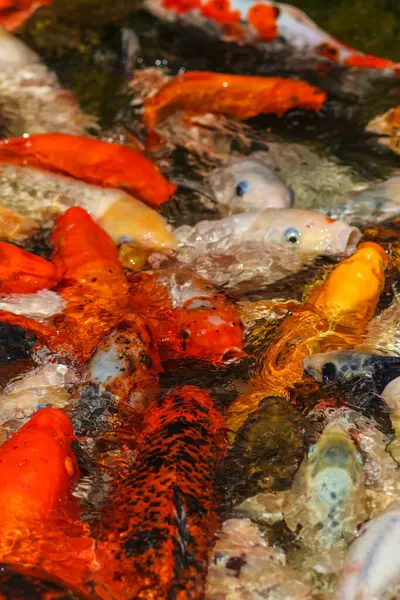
{"x": 159, "y": 549}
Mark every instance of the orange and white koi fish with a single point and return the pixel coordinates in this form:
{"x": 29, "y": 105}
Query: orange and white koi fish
{"x": 39, "y": 197}
{"x": 92, "y": 160}
{"x": 239, "y": 96}
{"x": 265, "y": 21}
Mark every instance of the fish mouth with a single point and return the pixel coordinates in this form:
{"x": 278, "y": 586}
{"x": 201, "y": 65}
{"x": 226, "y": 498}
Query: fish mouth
{"x": 232, "y": 355}
{"x": 346, "y": 241}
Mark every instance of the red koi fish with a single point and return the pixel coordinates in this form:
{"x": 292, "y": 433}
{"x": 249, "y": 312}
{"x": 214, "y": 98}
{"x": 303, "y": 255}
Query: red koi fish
{"x": 40, "y": 532}
{"x": 161, "y": 520}
{"x": 92, "y": 160}
{"x": 22, "y": 272}
{"x": 239, "y": 96}
{"x": 189, "y": 318}
{"x": 265, "y": 21}
{"x": 15, "y": 12}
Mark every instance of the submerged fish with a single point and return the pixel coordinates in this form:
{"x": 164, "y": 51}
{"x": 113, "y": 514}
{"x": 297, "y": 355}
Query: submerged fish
{"x": 387, "y": 125}
{"x": 39, "y": 197}
{"x": 372, "y": 566}
{"x": 160, "y": 548}
{"x": 243, "y": 565}
{"x": 200, "y": 92}
{"x": 372, "y": 204}
{"x": 266, "y": 452}
{"x": 90, "y": 159}
{"x": 46, "y": 385}
{"x": 266, "y": 21}
{"x": 304, "y": 231}
{"x": 247, "y": 185}
{"x": 41, "y": 306}
{"x": 31, "y": 98}
{"x": 325, "y": 497}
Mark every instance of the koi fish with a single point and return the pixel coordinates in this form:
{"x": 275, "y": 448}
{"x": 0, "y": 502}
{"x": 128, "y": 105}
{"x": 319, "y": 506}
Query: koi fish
{"x": 13, "y": 226}
{"x": 247, "y": 185}
{"x": 387, "y": 126}
{"x": 43, "y": 386}
{"x": 303, "y": 231}
{"x": 94, "y": 285}
{"x": 372, "y": 565}
{"x": 243, "y": 564}
{"x": 90, "y": 159}
{"x": 40, "y": 306}
{"x": 15, "y": 12}
{"x": 160, "y": 548}
{"x": 127, "y": 363}
{"x": 200, "y": 92}
{"x": 372, "y": 204}
{"x": 37, "y": 471}
{"x": 265, "y": 21}
{"x": 39, "y": 197}
{"x": 24, "y": 273}
{"x": 31, "y": 97}
{"x": 195, "y": 322}
{"x": 341, "y": 365}
{"x": 40, "y": 448}
{"x": 325, "y": 495}
{"x": 335, "y": 315}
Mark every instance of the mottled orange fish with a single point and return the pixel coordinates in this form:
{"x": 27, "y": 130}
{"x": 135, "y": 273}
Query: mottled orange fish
{"x": 24, "y": 273}
{"x": 334, "y": 316}
{"x": 160, "y": 522}
{"x": 239, "y": 96}
{"x": 40, "y": 531}
{"x": 92, "y": 160}
{"x": 14, "y": 12}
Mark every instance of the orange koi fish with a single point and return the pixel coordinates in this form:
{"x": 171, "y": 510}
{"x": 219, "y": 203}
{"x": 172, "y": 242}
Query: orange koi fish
{"x": 24, "y": 273}
{"x": 15, "y": 12}
{"x": 161, "y": 521}
{"x": 40, "y": 532}
{"x": 265, "y": 21}
{"x": 240, "y": 96}
{"x": 189, "y": 318}
{"x": 92, "y": 160}
{"x": 94, "y": 284}
{"x": 334, "y": 316}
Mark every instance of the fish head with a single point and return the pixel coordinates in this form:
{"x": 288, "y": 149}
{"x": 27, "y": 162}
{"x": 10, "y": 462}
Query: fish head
{"x": 211, "y": 330}
{"x": 306, "y": 231}
{"x": 334, "y": 451}
{"x": 391, "y": 395}
{"x": 331, "y": 366}
{"x": 249, "y": 185}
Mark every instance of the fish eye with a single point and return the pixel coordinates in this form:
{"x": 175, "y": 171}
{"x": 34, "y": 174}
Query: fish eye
{"x": 292, "y": 235}
{"x": 242, "y": 188}
{"x": 328, "y": 372}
